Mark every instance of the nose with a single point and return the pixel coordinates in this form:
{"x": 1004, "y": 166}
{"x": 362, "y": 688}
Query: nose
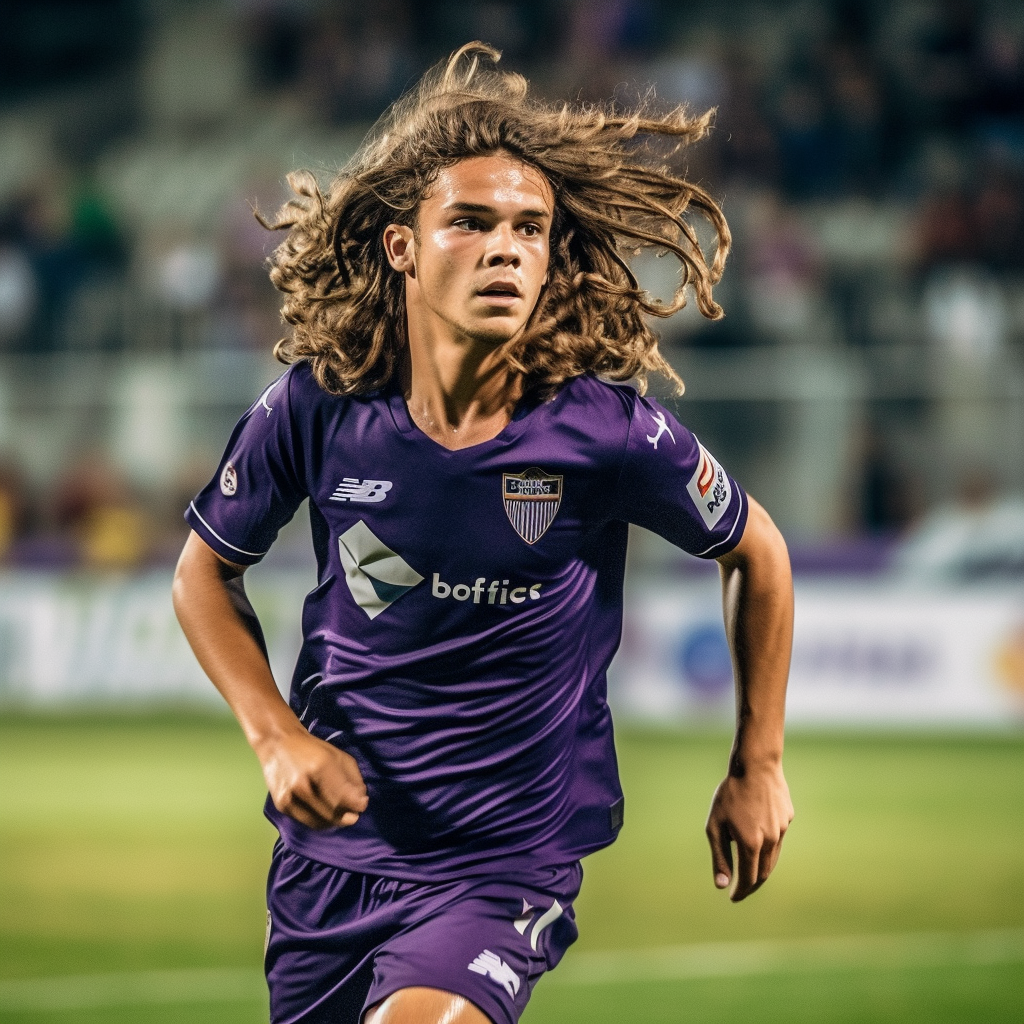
{"x": 501, "y": 247}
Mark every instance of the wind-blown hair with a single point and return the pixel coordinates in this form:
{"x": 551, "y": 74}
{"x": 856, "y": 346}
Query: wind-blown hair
{"x": 615, "y": 193}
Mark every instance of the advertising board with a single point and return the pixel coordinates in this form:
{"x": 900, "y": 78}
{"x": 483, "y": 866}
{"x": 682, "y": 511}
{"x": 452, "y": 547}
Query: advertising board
{"x": 870, "y": 654}
{"x": 862, "y": 654}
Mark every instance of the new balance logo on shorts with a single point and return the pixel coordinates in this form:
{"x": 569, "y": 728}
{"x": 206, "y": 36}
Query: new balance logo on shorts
{"x": 491, "y": 965}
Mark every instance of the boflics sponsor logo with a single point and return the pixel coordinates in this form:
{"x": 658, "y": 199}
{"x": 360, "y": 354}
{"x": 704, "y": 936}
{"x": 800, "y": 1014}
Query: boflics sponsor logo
{"x": 482, "y": 592}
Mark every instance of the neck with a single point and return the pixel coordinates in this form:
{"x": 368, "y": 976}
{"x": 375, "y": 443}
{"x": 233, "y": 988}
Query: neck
{"x": 460, "y": 391}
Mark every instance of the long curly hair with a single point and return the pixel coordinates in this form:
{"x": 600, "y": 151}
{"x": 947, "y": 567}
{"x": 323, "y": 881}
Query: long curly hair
{"x": 616, "y": 192}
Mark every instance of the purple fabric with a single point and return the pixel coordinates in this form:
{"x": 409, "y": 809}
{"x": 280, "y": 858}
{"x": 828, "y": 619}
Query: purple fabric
{"x": 469, "y": 603}
{"x": 339, "y": 942}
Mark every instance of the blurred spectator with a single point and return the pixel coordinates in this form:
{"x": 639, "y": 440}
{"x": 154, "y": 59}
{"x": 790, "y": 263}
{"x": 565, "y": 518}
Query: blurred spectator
{"x": 246, "y": 311}
{"x": 809, "y": 149}
{"x": 277, "y": 31}
{"x": 981, "y": 222}
{"x": 978, "y": 537}
{"x": 1000, "y": 102}
{"x": 95, "y": 231}
{"x": 890, "y": 498}
{"x": 598, "y": 35}
{"x": 782, "y": 268}
{"x": 947, "y": 81}
{"x": 748, "y": 144}
{"x": 18, "y": 294}
{"x": 965, "y": 313}
{"x": 58, "y": 238}
{"x": 187, "y": 274}
{"x": 357, "y": 60}
{"x": 999, "y": 218}
{"x": 60, "y": 265}
{"x": 13, "y": 505}
{"x": 946, "y": 230}
{"x": 859, "y": 118}
{"x": 96, "y": 506}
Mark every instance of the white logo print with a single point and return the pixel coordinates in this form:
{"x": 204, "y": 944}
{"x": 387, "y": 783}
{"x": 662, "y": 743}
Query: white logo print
{"x": 709, "y": 487}
{"x": 522, "y": 922}
{"x": 490, "y": 964}
{"x": 375, "y": 575}
{"x": 462, "y": 591}
{"x": 549, "y": 917}
{"x": 351, "y": 489}
{"x": 266, "y": 395}
{"x": 228, "y": 480}
{"x": 663, "y": 428}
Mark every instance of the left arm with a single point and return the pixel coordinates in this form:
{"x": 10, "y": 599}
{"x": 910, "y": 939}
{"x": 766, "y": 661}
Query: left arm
{"x": 751, "y": 807}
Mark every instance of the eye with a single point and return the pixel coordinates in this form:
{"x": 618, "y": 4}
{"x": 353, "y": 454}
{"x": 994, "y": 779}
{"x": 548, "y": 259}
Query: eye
{"x": 530, "y": 230}
{"x": 467, "y": 224}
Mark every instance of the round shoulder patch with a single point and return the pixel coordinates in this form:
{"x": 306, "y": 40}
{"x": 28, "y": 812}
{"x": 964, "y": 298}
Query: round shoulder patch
{"x": 228, "y": 480}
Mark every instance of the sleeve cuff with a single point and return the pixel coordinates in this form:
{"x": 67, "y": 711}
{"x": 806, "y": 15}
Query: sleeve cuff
{"x": 215, "y": 541}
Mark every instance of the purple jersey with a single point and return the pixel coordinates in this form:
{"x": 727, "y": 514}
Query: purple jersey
{"x": 467, "y": 608}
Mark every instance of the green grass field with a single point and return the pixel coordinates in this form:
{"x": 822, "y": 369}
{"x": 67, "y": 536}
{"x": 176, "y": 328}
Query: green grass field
{"x": 133, "y": 853}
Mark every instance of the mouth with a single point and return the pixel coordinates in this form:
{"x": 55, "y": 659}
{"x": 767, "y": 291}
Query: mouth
{"x": 501, "y": 290}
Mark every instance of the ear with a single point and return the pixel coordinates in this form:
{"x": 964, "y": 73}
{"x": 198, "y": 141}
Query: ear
{"x": 400, "y": 248}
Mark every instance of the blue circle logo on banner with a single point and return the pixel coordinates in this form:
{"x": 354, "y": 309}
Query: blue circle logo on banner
{"x": 704, "y": 660}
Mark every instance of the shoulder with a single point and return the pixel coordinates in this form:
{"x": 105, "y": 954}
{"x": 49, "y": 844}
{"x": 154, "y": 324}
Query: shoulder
{"x": 301, "y": 386}
{"x": 307, "y": 400}
{"x": 601, "y": 399}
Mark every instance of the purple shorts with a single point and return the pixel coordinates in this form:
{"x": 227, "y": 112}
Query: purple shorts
{"x": 339, "y": 942}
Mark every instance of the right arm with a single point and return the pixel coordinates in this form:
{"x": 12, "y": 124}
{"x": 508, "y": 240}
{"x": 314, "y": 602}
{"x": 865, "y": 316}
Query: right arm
{"x": 312, "y": 781}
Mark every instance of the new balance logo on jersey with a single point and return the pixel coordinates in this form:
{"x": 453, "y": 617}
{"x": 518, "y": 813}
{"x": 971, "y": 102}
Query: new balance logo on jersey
{"x": 663, "y": 428}
{"x": 709, "y": 487}
{"x": 491, "y": 965}
{"x": 351, "y": 489}
{"x": 376, "y": 576}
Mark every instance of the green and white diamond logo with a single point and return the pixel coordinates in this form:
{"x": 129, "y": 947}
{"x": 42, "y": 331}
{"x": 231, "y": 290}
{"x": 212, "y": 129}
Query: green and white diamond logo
{"x": 376, "y": 575}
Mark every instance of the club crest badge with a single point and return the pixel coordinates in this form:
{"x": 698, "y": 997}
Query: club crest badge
{"x": 228, "y": 480}
{"x": 531, "y": 501}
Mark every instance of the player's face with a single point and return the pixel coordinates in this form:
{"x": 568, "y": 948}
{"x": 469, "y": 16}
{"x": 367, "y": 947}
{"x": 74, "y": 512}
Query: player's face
{"x": 478, "y": 259}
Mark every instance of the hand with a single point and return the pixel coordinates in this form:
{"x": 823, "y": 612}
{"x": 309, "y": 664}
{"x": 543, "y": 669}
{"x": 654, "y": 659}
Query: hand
{"x": 752, "y": 810}
{"x": 312, "y": 781}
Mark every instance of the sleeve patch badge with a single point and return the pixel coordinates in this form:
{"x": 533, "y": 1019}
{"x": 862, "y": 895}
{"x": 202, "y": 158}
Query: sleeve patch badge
{"x": 710, "y": 488}
{"x": 228, "y": 480}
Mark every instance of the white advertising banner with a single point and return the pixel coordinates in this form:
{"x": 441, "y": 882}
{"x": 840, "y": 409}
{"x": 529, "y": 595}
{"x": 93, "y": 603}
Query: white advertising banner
{"x": 75, "y": 637}
{"x": 867, "y": 654}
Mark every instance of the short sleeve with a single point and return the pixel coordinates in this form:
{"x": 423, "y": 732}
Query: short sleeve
{"x": 259, "y": 483}
{"x": 671, "y": 484}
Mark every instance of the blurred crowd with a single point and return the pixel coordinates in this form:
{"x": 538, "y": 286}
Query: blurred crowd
{"x": 869, "y": 157}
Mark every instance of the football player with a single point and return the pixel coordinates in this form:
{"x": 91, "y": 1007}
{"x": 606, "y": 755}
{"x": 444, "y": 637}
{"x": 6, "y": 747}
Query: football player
{"x": 464, "y": 322}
